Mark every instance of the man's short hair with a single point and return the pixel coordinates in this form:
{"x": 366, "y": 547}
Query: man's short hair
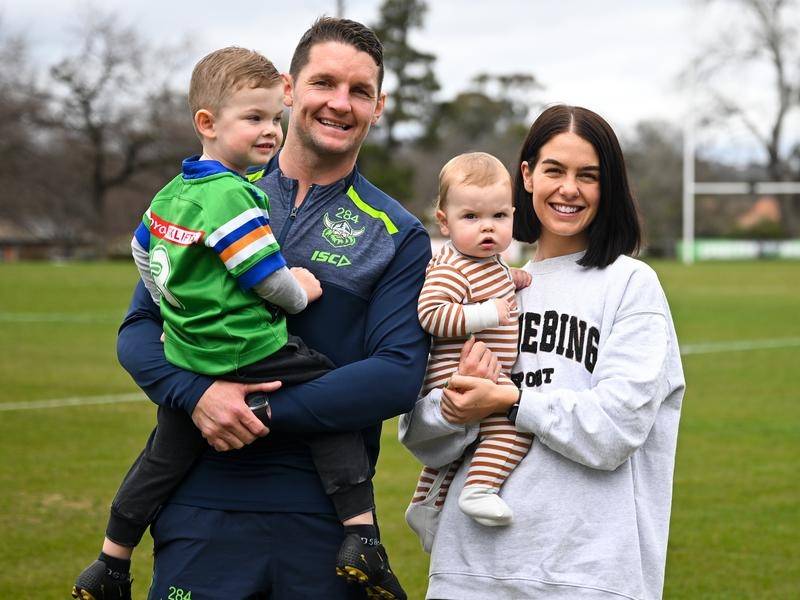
{"x": 473, "y": 168}
{"x": 344, "y": 31}
{"x": 223, "y": 72}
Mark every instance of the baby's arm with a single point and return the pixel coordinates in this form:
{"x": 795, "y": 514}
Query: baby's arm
{"x": 441, "y": 312}
{"x": 291, "y": 290}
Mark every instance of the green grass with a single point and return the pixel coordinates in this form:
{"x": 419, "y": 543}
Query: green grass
{"x": 736, "y": 504}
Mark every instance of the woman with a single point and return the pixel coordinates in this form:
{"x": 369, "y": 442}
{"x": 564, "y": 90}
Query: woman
{"x": 601, "y": 388}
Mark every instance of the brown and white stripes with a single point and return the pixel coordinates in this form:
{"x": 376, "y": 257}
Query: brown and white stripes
{"x": 452, "y": 281}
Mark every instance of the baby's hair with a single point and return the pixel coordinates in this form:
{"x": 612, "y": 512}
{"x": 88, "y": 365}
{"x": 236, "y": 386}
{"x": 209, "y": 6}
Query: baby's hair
{"x": 223, "y": 72}
{"x": 472, "y": 168}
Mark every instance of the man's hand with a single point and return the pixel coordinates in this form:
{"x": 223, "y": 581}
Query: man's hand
{"x": 224, "y": 419}
{"x": 308, "y": 282}
{"x": 521, "y": 278}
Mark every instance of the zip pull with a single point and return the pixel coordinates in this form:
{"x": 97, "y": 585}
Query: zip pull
{"x": 293, "y": 213}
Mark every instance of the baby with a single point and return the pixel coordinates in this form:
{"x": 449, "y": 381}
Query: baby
{"x": 469, "y": 290}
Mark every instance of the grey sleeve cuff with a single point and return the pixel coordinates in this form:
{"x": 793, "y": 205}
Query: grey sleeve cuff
{"x": 281, "y": 288}
{"x": 142, "y": 259}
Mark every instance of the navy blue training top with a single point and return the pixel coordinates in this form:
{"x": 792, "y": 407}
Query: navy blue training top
{"x": 370, "y": 256}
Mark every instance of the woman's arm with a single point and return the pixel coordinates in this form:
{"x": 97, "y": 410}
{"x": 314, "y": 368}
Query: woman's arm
{"x": 428, "y": 431}
{"x": 602, "y": 426}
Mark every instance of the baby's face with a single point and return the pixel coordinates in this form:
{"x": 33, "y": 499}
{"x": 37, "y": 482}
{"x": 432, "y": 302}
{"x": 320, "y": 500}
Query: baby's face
{"x": 478, "y": 220}
{"x": 248, "y": 127}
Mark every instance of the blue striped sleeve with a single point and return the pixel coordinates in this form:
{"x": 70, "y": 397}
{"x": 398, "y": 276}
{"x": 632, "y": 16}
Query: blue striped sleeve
{"x": 261, "y": 270}
{"x": 142, "y": 235}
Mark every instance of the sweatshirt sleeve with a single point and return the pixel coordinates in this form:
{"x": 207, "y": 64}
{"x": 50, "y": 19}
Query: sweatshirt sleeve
{"x": 602, "y": 426}
{"x": 387, "y": 382}
{"x": 141, "y": 353}
{"x": 430, "y": 437}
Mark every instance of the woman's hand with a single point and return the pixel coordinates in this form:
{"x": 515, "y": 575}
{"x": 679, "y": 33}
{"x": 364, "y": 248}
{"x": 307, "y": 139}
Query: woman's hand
{"x": 470, "y": 399}
{"x": 477, "y": 360}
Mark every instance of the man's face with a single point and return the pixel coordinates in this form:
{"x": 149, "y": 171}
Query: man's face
{"x": 334, "y": 99}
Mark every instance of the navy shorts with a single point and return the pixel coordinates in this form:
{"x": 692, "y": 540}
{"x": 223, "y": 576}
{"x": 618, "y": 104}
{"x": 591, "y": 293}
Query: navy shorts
{"x": 206, "y": 554}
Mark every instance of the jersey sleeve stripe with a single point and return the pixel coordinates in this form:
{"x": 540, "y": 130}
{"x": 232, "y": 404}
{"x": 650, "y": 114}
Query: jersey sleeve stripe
{"x": 240, "y": 233}
{"x": 235, "y": 223}
{"x": 142, "y": 236}
{"x": 247, "y": 246}
{"x": 262, "y": 269}
{"x": 245, "y": 253}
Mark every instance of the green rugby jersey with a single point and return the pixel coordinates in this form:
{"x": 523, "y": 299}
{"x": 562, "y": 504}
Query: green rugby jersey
{"x": 209, "y": 241}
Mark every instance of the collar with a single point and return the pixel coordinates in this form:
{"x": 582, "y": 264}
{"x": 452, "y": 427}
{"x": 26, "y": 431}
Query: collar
{"x": 194, "y": 168}
{"x": 342, "y": 185}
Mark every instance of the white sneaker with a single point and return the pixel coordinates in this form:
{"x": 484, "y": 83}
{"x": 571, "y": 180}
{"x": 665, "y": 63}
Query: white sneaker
{"x": 485, "y": 506}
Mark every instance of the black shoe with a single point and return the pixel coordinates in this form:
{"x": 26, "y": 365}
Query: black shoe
{"x": 368, "y": 566}
{"x": 98, "y": 583}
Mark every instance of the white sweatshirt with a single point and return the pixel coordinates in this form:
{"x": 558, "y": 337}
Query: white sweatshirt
{"x": 602, "y": 388}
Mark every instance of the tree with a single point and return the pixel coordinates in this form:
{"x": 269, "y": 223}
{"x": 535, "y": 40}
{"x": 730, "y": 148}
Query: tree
{"x": 23, "y": 195}
{"x": 770, "y": 39}
{"x": 653, "y": 158}
{"x": 411, "y": 97}
{"x": 109, "y": 93}
{"x": 493, "y": 105}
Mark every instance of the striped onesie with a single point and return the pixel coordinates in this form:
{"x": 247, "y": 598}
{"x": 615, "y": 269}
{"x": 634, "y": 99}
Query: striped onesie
{"x": 457, "y": 290}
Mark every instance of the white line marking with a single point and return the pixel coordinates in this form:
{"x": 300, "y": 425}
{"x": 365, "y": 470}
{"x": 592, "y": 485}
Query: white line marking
{"x": 738, "y": 346}
{"x": 686, "y": 349}
{"x": 76, "y": 401}
{"x": 60, "y": 318}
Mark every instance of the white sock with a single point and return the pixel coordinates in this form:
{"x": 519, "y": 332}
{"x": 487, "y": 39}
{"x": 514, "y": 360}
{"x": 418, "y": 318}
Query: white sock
{"x": 484, "y": 505}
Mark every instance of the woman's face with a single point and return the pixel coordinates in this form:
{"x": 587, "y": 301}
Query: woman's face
{"x": 565, "y": 186}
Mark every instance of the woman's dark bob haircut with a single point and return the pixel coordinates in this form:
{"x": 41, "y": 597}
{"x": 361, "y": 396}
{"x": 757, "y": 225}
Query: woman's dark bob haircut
{"x": 615, "y": 229}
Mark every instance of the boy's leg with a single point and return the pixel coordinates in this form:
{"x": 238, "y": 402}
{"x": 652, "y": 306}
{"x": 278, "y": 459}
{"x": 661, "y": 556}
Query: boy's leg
{"x": 343, "y": 466}
{"x": 294, "y": 363}
{"x": 171, "y": 449}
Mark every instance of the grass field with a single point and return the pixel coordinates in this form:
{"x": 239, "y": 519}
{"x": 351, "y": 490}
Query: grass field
{"x": 735, "y": 529}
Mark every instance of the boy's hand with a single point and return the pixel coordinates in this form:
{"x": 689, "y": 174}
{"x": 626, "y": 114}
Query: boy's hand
{"x": 506, "y": 311}
{"x": 521, "y": 278}
{"x": 308, "y": 282}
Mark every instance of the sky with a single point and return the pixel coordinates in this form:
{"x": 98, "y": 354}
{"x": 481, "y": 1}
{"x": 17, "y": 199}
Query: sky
{"x": 622, "y": 58}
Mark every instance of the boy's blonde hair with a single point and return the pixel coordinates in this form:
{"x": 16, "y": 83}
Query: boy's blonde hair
{"x": 223, "y": 72}
{"x": 473, "y": 168}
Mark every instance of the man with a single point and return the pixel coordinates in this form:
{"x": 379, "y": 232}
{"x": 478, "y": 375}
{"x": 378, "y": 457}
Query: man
{"x": 252, "y": 520}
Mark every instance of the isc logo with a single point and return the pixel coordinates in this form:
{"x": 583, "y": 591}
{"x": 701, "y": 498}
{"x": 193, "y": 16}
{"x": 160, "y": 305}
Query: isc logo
{"x": 337, "y": 260}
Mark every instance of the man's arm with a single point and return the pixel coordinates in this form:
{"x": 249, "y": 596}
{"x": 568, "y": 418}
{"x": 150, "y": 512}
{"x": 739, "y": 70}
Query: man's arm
{"x": 385, "y": 384}
{"x": 216, "y": 407}
{"x": 141, "y": 353}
